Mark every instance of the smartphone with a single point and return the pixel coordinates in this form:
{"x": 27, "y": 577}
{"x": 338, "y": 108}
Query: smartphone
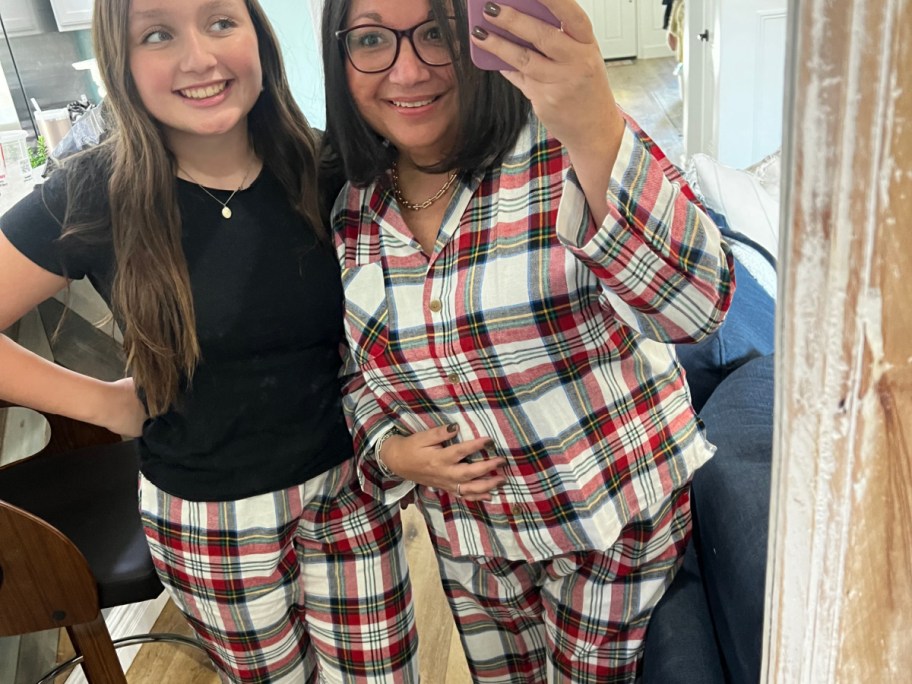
{"x": 484, "y": 59}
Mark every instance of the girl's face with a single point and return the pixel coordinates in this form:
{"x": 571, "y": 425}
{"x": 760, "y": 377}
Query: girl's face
{"x": 196, "y": 64}
{"x": 411, "y": 104}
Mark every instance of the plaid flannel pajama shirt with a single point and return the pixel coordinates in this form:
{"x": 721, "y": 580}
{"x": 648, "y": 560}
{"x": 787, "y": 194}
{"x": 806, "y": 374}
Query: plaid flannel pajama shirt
{"x": 551, "y": 335}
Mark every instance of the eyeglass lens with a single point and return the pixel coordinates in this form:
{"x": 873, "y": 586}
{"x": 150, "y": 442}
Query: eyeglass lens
{"x": 374, "y": 48}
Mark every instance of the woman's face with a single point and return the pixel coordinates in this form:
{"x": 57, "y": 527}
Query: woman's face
{"x": 411, "y": 104}
{"x": 195, "y": 63}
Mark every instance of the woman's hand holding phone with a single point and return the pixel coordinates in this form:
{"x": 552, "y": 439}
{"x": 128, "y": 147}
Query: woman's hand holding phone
{"x": 564, "y": 77}
{"x": 478, "y": 17}
{"x": 558, "y": 67}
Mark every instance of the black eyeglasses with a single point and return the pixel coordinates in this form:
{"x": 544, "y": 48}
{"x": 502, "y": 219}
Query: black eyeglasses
{"x": 372, "y": 48}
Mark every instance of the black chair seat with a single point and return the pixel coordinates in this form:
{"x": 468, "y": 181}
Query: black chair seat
{"x": 77, "y": 492}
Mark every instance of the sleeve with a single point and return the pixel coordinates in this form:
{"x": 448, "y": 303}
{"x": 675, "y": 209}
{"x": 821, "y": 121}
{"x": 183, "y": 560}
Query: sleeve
{"x": 367, "y": 421}
{"x": 34, "y": 225}
{"x": 663, "y": 266}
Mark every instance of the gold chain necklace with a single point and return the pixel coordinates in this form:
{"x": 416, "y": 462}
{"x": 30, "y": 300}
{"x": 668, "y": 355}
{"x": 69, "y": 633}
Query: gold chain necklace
{"x": 397, "y": 191}
{"x": 226, "y": 211}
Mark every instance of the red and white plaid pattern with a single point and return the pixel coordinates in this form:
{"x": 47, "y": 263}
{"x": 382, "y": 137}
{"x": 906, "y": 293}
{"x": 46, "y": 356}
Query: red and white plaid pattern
{"x": 579, "y": 618}
{"x": 533, "y": 326}
{"x": 303, "y": 585}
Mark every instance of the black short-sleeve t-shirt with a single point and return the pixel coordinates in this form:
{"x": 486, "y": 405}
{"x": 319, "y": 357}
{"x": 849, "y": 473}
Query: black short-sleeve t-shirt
{"x": 263, "y": 410}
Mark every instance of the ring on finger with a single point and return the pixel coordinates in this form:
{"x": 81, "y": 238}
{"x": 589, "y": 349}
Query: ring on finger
{"x": 458, "y": 488}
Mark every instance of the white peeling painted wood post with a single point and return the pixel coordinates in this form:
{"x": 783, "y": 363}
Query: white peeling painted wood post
{"x": 839, "y": 582}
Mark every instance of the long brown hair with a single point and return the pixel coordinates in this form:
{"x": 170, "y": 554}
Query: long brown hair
{"x": 151, "y": 295}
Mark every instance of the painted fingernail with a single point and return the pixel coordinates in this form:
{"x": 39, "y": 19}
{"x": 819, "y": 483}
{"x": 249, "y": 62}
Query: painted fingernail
{"x": 479, "y": 33}
{"x": 489, "y": 444}
{"x": 492, "y": 9}
{"x": 452, "y": 427}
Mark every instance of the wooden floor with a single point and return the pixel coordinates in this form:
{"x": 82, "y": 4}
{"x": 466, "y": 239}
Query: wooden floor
{"x": 647, "y": 90}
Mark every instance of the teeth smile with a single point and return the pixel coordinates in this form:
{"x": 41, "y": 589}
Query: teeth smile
{"x": 413, "y": 105}
{"x": 203, "y": 93}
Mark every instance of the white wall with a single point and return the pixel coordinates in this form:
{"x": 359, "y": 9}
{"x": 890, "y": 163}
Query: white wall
{"x": 298, "y": 31}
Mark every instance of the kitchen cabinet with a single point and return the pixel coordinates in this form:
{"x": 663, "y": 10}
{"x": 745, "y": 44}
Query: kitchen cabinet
{"x": 72, "y": 15}
{"x": 23, "y": 18}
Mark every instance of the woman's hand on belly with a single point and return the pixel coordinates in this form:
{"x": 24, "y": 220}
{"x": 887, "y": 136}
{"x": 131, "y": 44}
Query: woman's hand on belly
{"x": 425, "y": 458}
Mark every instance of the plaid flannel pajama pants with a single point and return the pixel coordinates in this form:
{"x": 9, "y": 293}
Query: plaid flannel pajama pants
{"x": 579, "y": 617}
{"x": 304, "y": 585}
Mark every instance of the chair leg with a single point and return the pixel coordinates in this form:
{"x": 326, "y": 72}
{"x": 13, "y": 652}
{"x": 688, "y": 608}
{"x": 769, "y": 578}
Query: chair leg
{"x": 93, "y": 641}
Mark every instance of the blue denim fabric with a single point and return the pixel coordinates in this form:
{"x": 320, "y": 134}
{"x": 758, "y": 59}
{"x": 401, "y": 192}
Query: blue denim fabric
{"x": 710, "y": 620}
{"x": 680, "y": 644}
{"x": 731, "y": 503}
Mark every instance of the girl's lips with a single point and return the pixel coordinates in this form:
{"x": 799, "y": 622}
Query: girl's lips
{"x": 206, "y": 96}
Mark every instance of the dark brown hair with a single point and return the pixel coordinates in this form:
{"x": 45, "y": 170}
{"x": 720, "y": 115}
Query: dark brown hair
{"x": 491, "y": 111}
{"x": 151, "y": 294}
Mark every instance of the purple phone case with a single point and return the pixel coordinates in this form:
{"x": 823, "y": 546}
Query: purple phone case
{"x": 484, "y": 59}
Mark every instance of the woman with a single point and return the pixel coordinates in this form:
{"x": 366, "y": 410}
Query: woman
{"x": 519, "y": 277}
{"x": 198, "y": 222}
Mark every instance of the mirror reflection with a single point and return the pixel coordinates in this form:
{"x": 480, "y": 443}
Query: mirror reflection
{"x": 704, "y": 79}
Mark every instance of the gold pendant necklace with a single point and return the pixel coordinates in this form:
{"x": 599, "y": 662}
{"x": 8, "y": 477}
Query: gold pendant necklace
{"x": 226, "y": 211}
{"x": 397, "y": 191}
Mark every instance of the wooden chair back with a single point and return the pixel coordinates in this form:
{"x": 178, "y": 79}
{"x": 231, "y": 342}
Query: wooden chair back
{"x": 45, "y": 581}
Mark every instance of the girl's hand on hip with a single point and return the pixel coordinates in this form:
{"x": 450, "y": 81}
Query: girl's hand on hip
{"x": 425, "y": 458}
{"x": 566, "y": 80}
{"x": 125, "y": 413}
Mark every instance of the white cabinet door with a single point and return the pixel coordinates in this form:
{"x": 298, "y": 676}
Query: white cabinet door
{"x": 615, "y": 23}
{"x": 72, "y": 14}
{"x": 19, "y": 18}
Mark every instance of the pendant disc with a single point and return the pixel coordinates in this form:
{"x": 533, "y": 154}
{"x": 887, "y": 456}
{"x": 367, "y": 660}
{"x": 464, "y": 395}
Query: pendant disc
{"x": 226, "y": 212}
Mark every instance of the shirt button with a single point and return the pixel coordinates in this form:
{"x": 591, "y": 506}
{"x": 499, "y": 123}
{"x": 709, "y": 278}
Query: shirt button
{"x": 453, "y": 378}
{"x": 516, "y": 510}
{"x": 435, "y": 305}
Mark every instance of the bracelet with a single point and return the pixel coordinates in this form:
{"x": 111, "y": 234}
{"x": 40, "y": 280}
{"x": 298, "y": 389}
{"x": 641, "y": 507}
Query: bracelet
{"x": 385, "y": 469}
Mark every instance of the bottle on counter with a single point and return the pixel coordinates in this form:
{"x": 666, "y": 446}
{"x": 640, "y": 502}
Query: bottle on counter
{"x": 17, "y": 167}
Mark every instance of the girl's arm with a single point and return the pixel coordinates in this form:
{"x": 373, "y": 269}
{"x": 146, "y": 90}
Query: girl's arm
{"x": 29, "y": 380}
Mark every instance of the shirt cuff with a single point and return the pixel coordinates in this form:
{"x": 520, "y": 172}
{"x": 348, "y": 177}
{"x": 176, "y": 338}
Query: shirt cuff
{"x": 377, "y": 485}
{"x": 575, "y": 226}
